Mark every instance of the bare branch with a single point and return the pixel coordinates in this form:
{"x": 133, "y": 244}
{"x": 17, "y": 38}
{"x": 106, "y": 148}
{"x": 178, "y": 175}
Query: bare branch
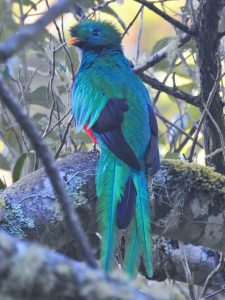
{"x": 140, "y": 34}
{"x": 168, "y": 18}
{"x": 188, "y": 136}
{"x": 173, "y": 91}
{"x": 187, "y": 271}
{"x": 54, "y": 276}
{"x": 204, "y": 114}
{"x": 211, "y": 275}
{"x": 160, "y": 55}
{"x": 29, "y": 210}
{"x": 179, "y": 204}
{"x": 58, "y": 151}
{"x": 132, "y": 22}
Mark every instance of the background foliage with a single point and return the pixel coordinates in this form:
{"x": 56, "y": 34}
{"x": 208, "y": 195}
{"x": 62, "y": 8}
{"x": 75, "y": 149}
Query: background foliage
{"x": 41, "y": 76}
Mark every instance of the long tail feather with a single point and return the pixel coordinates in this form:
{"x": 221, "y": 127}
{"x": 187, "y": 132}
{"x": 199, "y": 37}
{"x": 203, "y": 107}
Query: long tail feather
{"x": 142, "y": 214}
{"x": 132, "y": 257}
{"x": 126, "y": 207}
{"x": 110, "y": 183}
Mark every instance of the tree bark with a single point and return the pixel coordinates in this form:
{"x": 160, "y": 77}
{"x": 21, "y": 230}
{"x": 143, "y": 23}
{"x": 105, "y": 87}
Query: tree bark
{"x": 185, "y": 196}
{"x": 208, "y": 40}
{"x": 29, "y": 271}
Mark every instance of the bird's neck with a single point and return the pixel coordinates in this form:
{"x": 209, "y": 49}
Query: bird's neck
{"x": 89, "y": 55}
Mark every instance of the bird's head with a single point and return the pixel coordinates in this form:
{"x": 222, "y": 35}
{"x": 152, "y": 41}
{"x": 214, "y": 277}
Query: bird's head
{"x": 90, "y": 33}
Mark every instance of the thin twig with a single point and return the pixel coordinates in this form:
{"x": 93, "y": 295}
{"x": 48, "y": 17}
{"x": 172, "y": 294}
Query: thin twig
{"x": 164, "y": 82}
{"x": 99, "y": 7}
{"x": 62, "y": 43}
{"x": 132, "y": 22}
{"x": 185, "y": 141}
{"x": 166, "y": 17}
{"x": 204, "y": 114}
{"x": 187, "y": 271}
{"x": 173, "y": 91}
{"x": 54, "y": 100}
{"x": 53, "y": 127}
{"x": 31, "y": 78}
{"x": 63, "y": 138}
{"x": 215, "y": 293}
{"x": 31, "y": 8}
{"x": 211, "y": 275}
{"x": 32, "y": 133}
{"x": 140, "y": 34}
{"x": 177, "y": 127}
{"x": 218, "y": 130}
{"x": 62, "y": 28}
{"x": 193, "y": 19}
{"x": 211, "y": 155}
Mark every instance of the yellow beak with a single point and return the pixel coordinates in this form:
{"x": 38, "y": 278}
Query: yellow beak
{"x": 73, "y": 41}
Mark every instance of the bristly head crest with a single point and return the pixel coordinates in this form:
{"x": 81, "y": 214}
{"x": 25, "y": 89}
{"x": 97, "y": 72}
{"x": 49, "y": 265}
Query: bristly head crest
{"x": 95, "y": 33}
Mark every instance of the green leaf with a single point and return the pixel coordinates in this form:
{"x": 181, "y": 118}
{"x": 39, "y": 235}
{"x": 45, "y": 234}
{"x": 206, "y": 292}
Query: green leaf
{"x": 40, "y": 97}
{"x": 4, "y": 165}
{"x": 12, "y": 135}
{"x": 19, "y": 165}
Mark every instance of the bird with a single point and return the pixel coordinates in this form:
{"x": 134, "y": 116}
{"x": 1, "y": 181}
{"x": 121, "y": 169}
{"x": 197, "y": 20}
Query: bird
{"x": 113, "y": 105}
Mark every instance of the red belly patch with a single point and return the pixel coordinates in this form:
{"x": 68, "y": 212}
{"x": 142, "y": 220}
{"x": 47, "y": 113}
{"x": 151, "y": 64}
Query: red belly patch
{"x": 90, "y": 133}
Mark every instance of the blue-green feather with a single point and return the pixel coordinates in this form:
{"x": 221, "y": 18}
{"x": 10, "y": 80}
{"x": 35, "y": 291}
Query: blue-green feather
{"x": 143, "y": 219}
{"x": 132, "y": 249}
{"x": 111, "y": 177}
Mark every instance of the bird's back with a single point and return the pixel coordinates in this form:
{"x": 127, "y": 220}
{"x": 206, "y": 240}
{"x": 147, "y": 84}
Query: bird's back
{"x": 109, "y": 76}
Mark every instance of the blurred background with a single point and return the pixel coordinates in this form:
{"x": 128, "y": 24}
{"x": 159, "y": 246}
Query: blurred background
{"x": 42, "y": 74}
{"x": 41, "y": 77}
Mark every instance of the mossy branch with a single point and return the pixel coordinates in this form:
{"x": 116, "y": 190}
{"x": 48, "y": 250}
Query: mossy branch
{"x": 186, "y": 196}
{"x": 54, "y": 276}
{"x": 188, "y": 205}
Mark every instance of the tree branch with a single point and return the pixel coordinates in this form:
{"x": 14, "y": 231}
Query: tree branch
{"x": 29, "y": 271}
{"x": 185, "y": 196}
{"x": 30, "y": 210}
{"x": 208, "y": 43}
{"x": 168, "y": 18}
{"x": 26, "y": 33}
{"x": 173, "y": 91}
{"x": 202, "y": 262}
{"x": 160, "y": 55}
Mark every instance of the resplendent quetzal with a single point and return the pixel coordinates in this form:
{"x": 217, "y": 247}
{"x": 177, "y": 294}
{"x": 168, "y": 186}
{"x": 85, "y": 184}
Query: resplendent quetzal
{"x": 112, "y": 103}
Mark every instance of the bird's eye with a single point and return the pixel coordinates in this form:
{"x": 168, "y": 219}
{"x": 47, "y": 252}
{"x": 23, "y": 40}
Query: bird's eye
{"x": 95, "y": 32}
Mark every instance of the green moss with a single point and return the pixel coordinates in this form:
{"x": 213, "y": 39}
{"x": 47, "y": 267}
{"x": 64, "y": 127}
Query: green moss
{"x": 192, "y": 175}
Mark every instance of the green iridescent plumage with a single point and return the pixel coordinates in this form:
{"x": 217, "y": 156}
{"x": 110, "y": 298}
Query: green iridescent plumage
{"x": 114, "y": 102}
